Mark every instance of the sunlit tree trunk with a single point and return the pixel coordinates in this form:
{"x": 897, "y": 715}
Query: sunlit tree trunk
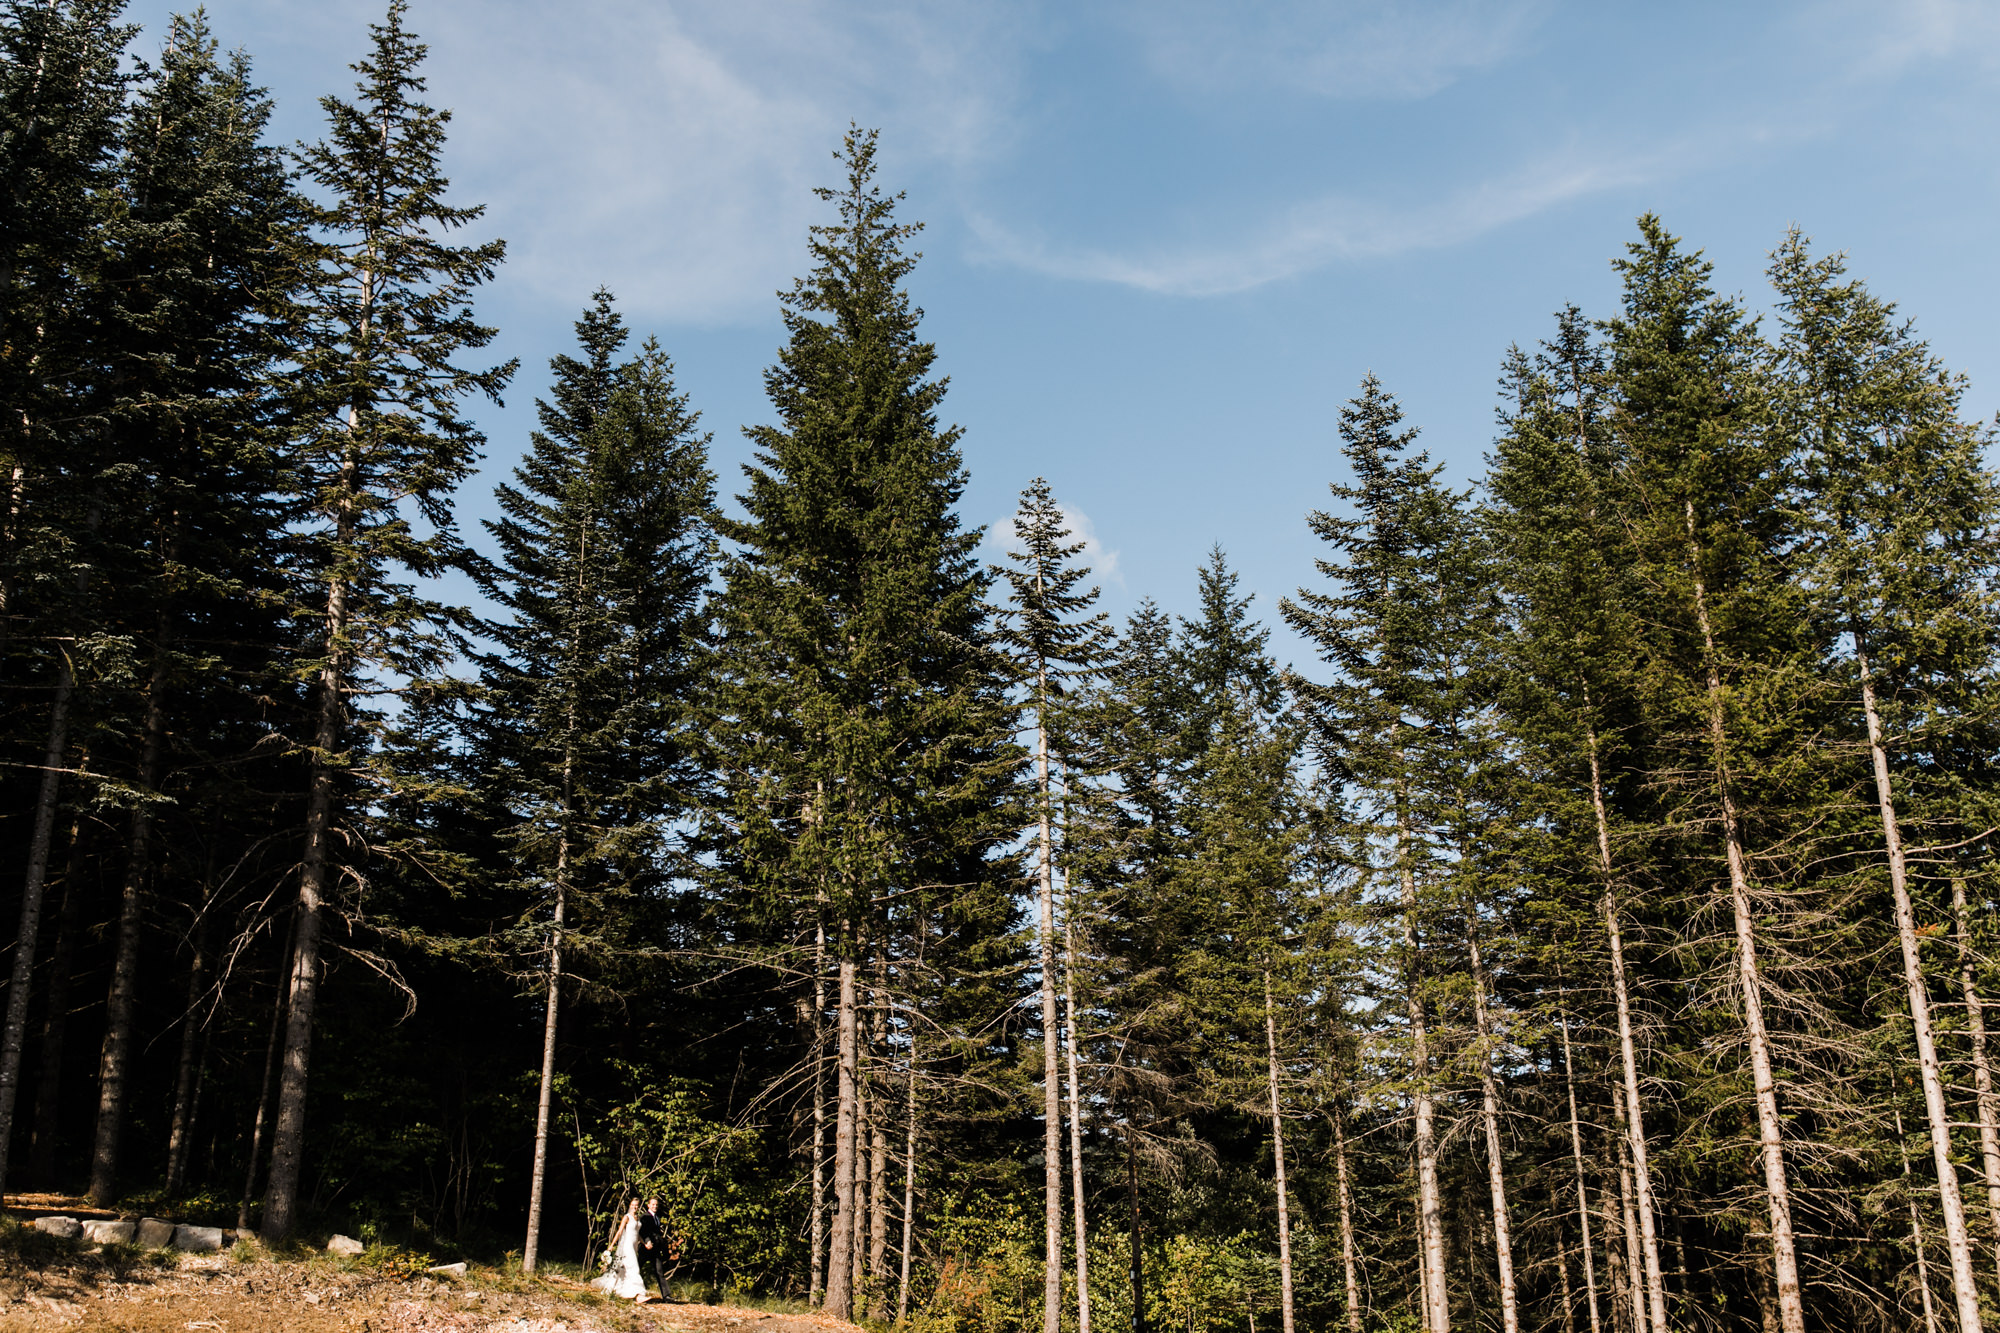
{"x": 1430, "y": 1217}
{"x": 1489, "y": 1108}
{"x": 1076, "y": 1131}
{"x": 1582, "y": 1197}
{"x": 1784, "y": 1243}
{"x": 1916, "y": 1235}
{"x": 551, "y": 1012}
{"x": 1345, "y": 1198}
{"x": 1278, "y": 1156}
{"x": 1634, "y": 1264}
{"x": 819, "y": 1106}
{"x": 1964, "y": 1285}
{"x": 840, "y": 1258}
{"x": 1052, "y": 1260}
{"x": 1628, "y": 1056}
{"x": 1982, "y": 1072}
{"x": 909, "y": 1182}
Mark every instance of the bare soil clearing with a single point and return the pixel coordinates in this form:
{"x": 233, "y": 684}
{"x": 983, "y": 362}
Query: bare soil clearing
{"x": 218, "y": 1292}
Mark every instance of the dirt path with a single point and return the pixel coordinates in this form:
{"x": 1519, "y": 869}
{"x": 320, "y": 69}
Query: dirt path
{"x": 194, "y": 1294}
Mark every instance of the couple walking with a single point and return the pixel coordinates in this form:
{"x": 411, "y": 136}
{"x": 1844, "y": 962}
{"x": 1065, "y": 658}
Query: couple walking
{"x": 638, "y": 1239}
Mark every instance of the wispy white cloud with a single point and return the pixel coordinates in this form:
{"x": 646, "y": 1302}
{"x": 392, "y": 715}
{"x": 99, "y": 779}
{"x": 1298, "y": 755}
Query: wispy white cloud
{"x": 1102, "y": 560}
{"x": 671, "y": 150}
{"x": 1335, "y": 227}
{"x": 1346, "y": 49}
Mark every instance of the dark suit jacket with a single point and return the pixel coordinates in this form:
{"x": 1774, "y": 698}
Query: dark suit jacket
{"x": 650, "y": 1230}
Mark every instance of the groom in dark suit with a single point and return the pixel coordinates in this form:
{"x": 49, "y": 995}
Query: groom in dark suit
{"x": 653, "y": 1243}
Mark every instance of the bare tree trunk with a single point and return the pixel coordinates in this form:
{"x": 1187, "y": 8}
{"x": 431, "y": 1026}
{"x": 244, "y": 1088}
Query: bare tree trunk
{"x": 31, "y": 904}
{"x": 1784, "y": 1244}
{"x": 1617, "y": 1271}
{"x": 1634, "y": 1264}
{"x": 1569, "y": 1292}
{"x": 1345, "y": 1198}
{"x": 1582, "y": 1199}
{"x": 1489, "y": 1108}
{"x": 187, "y": 1071}
{"x": 264, "y": 1091}
{"x": 1052, "y": 1244}
{"x": 1964, "y": 1285}
{"x": 1649, "y": 1241}
{"x": 909, "y": 1181}
{"x": 1916, "y": 1234}
{"x": 1076, "y": 1130}
{"x": 819, "y": 1107}
{"x": 878, "y": 1152}
{"x": 1430, "y": 1217}
{"x": 864, "y": 1111}
{"x": 840, "y": 1260}
{"x": 1982, "y": 1072}
{"x": 1278, "y": 1156}
{"x": 116, "y": 1056}
{"x": 55, "y": 1016}
{"x": 1138, "y": 1254}
{"x": 1423, "y": 1276}
{"x": 551, "y": 1012}
{"x": 315, "y": 881}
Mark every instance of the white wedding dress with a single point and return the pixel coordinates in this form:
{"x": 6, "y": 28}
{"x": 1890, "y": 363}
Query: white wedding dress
{"x": 622, "y": 1278}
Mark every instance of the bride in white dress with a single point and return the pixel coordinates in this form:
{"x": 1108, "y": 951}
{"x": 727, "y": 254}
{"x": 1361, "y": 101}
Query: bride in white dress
{"x": 622, "y": 1278}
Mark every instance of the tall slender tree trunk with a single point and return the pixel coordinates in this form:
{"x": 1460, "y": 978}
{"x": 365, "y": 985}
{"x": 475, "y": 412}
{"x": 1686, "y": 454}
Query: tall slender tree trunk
{"x": 12, "y": 1035}
{"x": 1568, "y": 1292}
{"x": 1052, "y": 1243}
{"x": 55, "y": 1015}
{"x": 1784, "y": 1243}
{"x": 1634, "y": 1263}
{"x": 1076, "y": 1129}
{"x": 1617, "y": 1271}
{"x": 1628, "y": 1055}
{"x": 1278, "y": 1155}
{"x": 1916, "y": 1234}
{"x": 878, "y": 1152}
{"x": 1345, "y": 1199}
{"x": 818, "y": 1221}
{"x": 1489, "y": 1111}
{"x": 1138, "y": 1251}
{"x": 1982, "y": 1071}
{"x": 1423, "y": 1277}
{"x": 1582, "y": 1198}
{"x": 840, "y": 1259}
{"x": 1964, "y": 1285}
{"x": 187, "y": 1067}
{"x": 115, "y": 1059}
{"x": 909, "y": 1181}
{"x": 551, "y": 1013}
{"x": 315, "y": 877}
{"x": 1430, "y": 1215}
{"x": 864, "y": 1110}
{"x": 266, "y": 1088}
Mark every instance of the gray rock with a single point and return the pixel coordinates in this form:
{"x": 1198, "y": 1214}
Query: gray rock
{"x": 344, "y": 1245}
{"x": 197, "y": 1238}
{"x": 155, "y": 1234}
{"x": 120, "y": 1232}
{"x": 66, "y": 1227}
{"x": 449, "y": 1270}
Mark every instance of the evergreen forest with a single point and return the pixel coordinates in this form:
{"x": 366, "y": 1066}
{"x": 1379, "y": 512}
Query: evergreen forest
{"x": 1593, "y": 936}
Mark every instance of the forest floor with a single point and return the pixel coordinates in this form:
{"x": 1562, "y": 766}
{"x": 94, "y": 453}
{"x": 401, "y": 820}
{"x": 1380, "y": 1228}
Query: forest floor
{"x": 48, "y": 1285}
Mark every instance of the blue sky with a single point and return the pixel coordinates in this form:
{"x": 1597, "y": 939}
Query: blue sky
{"x": 1165, "y": 239}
